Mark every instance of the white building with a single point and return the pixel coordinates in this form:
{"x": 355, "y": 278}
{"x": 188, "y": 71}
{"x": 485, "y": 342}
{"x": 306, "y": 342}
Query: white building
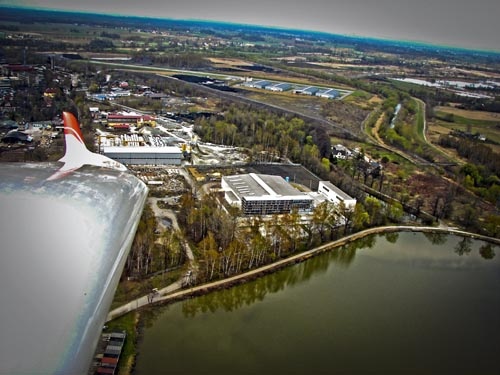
{"x": 259, "y": 194}
{"x": 341, "y": 152}
{"x": 335, "y": 195}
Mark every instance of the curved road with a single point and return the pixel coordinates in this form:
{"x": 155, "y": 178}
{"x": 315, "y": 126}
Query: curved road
{"x": 173, "y": 292}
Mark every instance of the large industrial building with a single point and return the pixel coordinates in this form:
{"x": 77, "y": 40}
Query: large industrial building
{"x": 145, "y": 155}
{"x": 259, "y": 194}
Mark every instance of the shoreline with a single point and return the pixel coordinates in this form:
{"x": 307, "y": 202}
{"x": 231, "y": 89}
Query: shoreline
{"x": 303, "y": 256}
{"x": 298, "y": 258}
{"x": 276, "y": 266}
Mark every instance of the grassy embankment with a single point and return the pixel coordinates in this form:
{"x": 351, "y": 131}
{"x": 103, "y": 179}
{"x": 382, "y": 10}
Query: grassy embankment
{"x": 129, "y": 324}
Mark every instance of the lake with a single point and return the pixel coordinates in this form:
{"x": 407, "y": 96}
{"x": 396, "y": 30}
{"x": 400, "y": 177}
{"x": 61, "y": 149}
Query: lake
{"x": 402, "y": 303}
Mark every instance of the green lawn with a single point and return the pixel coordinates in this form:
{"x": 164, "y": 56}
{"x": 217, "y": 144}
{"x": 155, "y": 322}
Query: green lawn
{"x": 126, "y": 323}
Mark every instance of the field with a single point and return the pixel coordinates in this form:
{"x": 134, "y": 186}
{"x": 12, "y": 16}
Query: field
{"x": 218, "y": 61}
{"x": 484, "y": 123}
{"x": 472, "y": 115}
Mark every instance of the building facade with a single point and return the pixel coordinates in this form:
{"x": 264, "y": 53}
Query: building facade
{"x": 258, "y": 194}
{"x": 145, "y": 155}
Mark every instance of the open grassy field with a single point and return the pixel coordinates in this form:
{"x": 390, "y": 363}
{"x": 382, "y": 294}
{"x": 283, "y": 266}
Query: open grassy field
{"x": 471, "y": 115}
{"x": 484, "y": 123}
{"x": 420, "y": 120}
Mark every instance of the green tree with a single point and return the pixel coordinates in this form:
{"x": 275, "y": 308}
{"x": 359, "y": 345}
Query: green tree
{"x": 395, "y": 212}
{"x": 374, "y": 208}
{"x": 361, "y": 218}
{"x": 323, "y": 218}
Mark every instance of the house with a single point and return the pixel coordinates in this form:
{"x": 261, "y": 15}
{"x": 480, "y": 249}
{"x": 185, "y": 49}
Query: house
{"x": 341, "y": 152}
{"x": 279, "y": 87}
{"x": 15, "y": 136}
{"x": 328, "y": 94}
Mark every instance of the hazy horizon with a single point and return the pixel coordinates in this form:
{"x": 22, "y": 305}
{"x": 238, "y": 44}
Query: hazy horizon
{"x": 441, "y": 22}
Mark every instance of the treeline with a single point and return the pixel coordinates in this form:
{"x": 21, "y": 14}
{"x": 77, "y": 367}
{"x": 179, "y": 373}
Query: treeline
{"x": 226, "y": 245}
{"x": 268, "y": 135}
{"x": 186, "y": 60}
{"x": 481, "y": 175}
{"x": 474, "y": 151}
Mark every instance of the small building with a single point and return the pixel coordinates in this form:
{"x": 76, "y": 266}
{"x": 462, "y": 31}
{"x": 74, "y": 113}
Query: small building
{"x": 335, "y": 195}
{"x": 258, "y": 194}
{"x": 15, "y": 136}
{"x": 260, "y": 84}
{"x": 126, "y": 121}
{"x": 51, "y": 92}
{"x": 328, "y": 94}
{"x": 341, "y": 152}
{"x": 280, "y": 87}
{"x": 311, "y": 90}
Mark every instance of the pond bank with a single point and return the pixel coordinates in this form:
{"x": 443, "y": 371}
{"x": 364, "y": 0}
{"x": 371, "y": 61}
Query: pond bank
{"x": 256, "y": 273}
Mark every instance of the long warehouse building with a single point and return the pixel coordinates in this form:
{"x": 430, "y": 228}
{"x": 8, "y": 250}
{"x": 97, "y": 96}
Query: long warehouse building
{"x": 145, "y": 155}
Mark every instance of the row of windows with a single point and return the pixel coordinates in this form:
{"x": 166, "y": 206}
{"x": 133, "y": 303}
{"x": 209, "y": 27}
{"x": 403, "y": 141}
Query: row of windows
{"x": 268, "y": 207}
{"x": 146, "y": 160}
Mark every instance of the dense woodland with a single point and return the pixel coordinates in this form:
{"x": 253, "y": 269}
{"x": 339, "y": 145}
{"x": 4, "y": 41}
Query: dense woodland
{"x": 269, "y": 136}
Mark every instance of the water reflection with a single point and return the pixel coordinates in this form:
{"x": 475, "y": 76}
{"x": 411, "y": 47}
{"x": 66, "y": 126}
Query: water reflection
{"x": 464, "y": 246}
{"x": 251, "y": 292}
{"x": 392, "y": 237}
{"x": 487, "y": 251}
{"x": 436, "y": 238}
{"x": 386, "y": 302}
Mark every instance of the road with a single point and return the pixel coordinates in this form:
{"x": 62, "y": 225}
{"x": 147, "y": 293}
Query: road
{"x": 143, "y": 301}
{"x": 232, "y": 96}
{"x": 173, "y": 292}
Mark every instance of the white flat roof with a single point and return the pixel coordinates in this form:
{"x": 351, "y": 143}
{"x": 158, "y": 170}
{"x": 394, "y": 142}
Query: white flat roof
{"x": 339, "y": 192}
{"x": 260, "y": 186}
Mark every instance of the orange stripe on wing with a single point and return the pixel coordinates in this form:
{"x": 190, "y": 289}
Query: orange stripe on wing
{"x": 71, "y": 126}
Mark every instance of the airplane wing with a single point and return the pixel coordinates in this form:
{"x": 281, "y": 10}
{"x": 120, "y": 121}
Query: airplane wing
{"x": 66, "y": 230}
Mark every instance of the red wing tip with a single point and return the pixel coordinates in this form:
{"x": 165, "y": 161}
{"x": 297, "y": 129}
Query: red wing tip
{"x": 71, "y": 125}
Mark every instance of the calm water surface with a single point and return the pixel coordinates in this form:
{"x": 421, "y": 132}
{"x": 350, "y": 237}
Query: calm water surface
{"x": 395, "y": 304}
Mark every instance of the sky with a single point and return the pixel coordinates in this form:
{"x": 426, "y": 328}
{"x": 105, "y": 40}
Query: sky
{"x": 469, "y": 24}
